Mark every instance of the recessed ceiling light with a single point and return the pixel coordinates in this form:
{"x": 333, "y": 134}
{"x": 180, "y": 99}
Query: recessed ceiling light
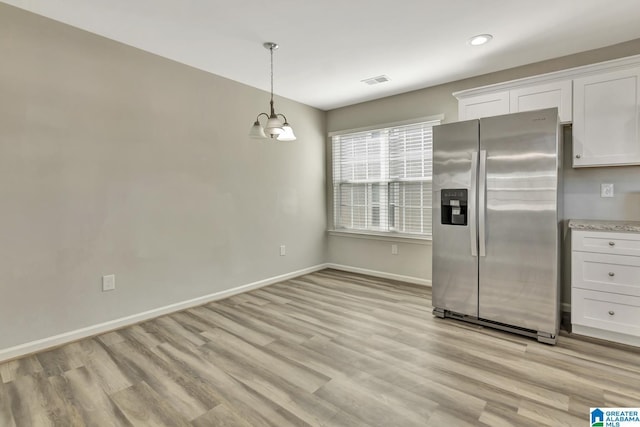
{"x": 480, "y": 39}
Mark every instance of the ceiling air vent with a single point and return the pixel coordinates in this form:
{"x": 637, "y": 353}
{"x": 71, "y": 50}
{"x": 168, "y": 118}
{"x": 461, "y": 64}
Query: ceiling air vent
{"x": 376, "y": 80}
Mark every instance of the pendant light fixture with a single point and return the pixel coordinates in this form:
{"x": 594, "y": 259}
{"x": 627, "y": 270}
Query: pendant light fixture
{"x": 276, "y": 125}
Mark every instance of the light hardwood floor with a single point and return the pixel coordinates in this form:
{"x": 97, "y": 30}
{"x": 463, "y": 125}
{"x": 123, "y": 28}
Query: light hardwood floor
{"x": 326, "y": 349}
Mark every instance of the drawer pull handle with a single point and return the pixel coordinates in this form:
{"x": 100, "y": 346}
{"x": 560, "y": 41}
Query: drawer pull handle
{"x": 611, "y": 274}
{"x": 612, "y": 243}
{"x": 611, "y": 312}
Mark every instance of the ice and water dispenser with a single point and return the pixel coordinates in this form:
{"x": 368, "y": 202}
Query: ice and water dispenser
{"x": 454, "y": 206}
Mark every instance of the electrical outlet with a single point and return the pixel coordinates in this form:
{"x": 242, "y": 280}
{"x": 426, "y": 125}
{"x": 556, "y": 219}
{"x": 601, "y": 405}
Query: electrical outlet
{"x": 108, "y": 282}
{"x": 606, "y": 190}
{"x": 394, "y": 249}
{"x": 283, "y": 250}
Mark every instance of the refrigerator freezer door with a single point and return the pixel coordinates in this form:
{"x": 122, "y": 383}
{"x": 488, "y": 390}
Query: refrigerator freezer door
{"x": 519, "y": 274}
{"x": 455, "y": 261}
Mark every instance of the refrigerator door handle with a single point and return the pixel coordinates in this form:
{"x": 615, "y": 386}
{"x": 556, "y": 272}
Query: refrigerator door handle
{"x": 482, "y": 202}
{"x": 473, "y": 221}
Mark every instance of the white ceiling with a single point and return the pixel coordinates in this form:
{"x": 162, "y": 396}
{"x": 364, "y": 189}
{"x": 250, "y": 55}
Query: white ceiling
{"x": 328, "y": 46}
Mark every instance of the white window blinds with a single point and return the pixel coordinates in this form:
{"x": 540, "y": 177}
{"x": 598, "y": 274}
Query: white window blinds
{"x": 382, "y": 179}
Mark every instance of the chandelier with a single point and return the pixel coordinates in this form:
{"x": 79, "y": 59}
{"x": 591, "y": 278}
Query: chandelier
{"x": 276, "y": 125}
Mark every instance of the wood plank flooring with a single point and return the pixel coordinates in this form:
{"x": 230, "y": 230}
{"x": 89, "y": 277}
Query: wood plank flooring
{"x": 326, "y": 349}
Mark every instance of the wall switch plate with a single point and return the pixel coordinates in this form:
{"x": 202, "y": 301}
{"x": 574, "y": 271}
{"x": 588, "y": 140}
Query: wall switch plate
{"x": 283, "y": 250}
{"x": 108, "y": 282}
{"x": 394, "y": 249}
{"x": 606, "y": 190}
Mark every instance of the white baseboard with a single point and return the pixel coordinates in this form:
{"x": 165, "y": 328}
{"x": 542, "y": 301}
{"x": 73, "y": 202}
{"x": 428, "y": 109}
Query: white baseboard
{"x": 67, "y": 337}
{"x": 382, "y": 274}
{"x": 605, "y": 335}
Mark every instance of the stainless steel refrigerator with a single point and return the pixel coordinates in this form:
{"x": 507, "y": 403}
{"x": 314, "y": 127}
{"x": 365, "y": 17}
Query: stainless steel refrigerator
{"x": 496, "y": 222}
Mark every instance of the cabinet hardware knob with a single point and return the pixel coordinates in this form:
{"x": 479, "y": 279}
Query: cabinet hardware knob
{"x": 612, "y": 243}
{"x": 611, "y": 274}
{"x": 578, "y": 156}
{"x": 611, "y": 312}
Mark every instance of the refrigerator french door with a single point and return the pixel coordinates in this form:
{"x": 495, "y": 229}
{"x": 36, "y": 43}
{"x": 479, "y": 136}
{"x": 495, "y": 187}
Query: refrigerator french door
{"x": 496, "y": 218}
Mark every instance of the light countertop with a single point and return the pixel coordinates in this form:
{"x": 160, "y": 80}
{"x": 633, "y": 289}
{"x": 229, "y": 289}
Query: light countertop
{"x": 604, "y": 225}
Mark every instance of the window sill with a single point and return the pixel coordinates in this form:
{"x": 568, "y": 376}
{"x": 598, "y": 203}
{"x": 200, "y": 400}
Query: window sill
{"x": 388, "y": 237}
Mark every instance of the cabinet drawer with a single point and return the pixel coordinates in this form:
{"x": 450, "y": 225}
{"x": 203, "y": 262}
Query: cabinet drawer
{"x": 618, "y": 274}
{"x": 603, "y": 310}
{"x": 606, "y": 242}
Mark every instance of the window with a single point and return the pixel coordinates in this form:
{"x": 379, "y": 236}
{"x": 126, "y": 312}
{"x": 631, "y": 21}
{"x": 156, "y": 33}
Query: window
{"x": 382, "y": 179}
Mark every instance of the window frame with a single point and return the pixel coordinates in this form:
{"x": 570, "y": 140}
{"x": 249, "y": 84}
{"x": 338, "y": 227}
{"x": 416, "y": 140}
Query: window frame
{"x": 390, "y": 233}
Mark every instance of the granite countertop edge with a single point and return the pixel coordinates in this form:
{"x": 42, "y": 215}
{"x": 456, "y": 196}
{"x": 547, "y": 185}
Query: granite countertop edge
{"x": 604, "y": 225}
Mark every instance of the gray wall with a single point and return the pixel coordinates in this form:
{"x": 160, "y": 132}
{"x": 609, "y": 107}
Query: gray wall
{"x": 581, "y": 186}
{"x": 116, "y": 161}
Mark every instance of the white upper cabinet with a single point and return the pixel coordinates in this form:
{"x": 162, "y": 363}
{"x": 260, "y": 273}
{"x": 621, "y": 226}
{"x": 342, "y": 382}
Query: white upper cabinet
{"x": 487, "y": 105}
{"x": 526, "y": 98}
{"x": 548, "y": 95}
{"x": 606, "y": 120}
{"x": 601, "y": 100}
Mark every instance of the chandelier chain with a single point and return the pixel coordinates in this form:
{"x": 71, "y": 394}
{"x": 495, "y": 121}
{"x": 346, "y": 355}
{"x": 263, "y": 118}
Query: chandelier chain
{"x": 271, "y": 50}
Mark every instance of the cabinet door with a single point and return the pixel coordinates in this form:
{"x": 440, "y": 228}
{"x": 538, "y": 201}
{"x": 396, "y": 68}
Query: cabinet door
{"x": 548, "y": 95}
{"x": 605, "y": 119}
{"x": 487, "y": 105}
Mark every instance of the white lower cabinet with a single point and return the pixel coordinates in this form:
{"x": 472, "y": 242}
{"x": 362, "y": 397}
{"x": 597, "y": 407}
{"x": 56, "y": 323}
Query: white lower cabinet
{"x": 605, "y": 285}
{"x": 605, "y": 311}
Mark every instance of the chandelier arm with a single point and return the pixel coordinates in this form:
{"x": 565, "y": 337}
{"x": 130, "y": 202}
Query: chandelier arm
{"x": 284, "y": 117}
{"x": 262, "y": 114}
